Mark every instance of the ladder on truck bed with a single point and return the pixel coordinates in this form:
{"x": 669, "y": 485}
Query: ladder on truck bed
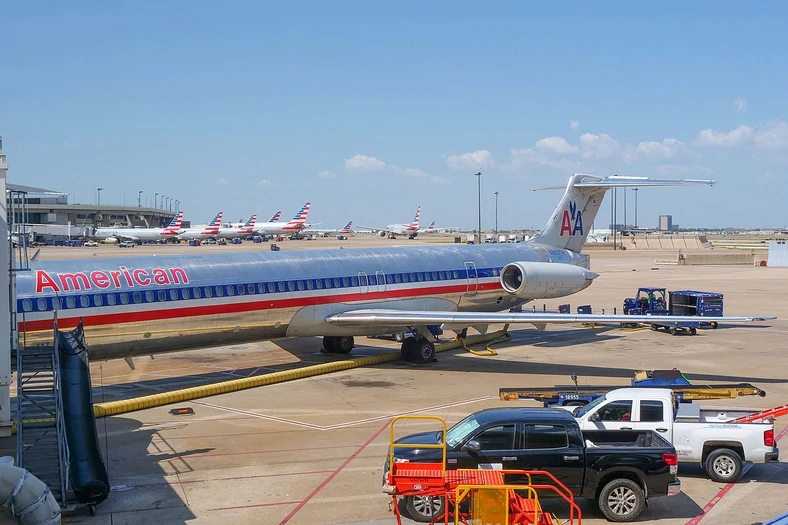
{"x": 763, "y": 416}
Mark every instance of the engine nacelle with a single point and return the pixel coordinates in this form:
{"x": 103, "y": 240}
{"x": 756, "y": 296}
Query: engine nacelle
{"x": 110, "y": 240}
{"x": 540, "y": 280}
{"x": 382, "y": 234}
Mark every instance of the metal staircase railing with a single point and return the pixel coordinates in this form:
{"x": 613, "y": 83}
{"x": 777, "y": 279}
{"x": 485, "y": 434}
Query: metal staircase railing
{"x": 41, "y": 436}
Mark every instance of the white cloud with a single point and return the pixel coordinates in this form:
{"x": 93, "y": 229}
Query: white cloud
{"x": 666, "y": 149}
{"x": 574, "y": 124}
{"x": 479, "y": 159}
{"x": 364, "y": 163}
{"x": 222, "y": 181}
{"x": 740, "y": 104}
{"x": 441, "y": 181}
{"x": 326, "y": 175}
{"x": 264, "y": 182}
{"x": 681, "y": 169}
{"x": 599, "y": 147}
{"x": 412, "y": 172}
{"x": 773, "y": 136}
{"x": 530, "y": 157}
{"x": 556, "y": 144}
{"x": 735, "y": 137}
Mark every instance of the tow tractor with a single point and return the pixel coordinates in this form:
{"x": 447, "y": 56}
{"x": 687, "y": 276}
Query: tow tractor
{"x": 582, "y": 395}
{"x": 653, "y": 301}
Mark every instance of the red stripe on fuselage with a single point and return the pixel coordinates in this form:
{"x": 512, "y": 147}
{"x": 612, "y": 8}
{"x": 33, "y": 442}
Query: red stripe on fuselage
{"x": 177, "y": 311}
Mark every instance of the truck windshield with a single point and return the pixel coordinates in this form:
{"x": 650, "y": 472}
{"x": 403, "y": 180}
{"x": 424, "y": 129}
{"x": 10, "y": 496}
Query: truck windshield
{"x": 582, "y": 411}
{"x": 461, "y": 430}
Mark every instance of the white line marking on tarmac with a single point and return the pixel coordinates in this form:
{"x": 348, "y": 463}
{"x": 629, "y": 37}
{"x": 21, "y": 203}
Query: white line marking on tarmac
{"x": 347, "y": 424}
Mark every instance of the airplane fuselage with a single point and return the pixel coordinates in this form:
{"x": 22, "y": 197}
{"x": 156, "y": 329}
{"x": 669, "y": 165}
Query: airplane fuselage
{"x": 137, "y": 305}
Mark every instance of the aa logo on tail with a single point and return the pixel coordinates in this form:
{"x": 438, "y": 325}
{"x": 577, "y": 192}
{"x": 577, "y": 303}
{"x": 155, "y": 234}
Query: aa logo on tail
{"x": 572, "y": 221}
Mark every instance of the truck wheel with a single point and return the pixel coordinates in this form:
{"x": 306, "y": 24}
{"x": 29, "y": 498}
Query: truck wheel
{"x": 622, "y": 500}
{"x": 425, "y": 509}
{"x": 673, "y": 331}
{"x": 693, "y": 331}
{"x": 654, "y": 327}
{"x": 723, "y": 465}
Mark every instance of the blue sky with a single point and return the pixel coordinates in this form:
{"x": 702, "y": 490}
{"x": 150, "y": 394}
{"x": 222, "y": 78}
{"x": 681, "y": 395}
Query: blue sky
{"x": 369, "y": 109}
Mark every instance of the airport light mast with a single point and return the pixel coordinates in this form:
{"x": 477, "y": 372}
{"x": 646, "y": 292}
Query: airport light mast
{"x": 139, "y": 199}
{"x": 479, "y": 185}
{"x": 496, "y": 216}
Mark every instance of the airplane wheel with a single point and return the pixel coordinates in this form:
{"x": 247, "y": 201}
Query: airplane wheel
{"x": 425, "y": 350}
{"x": 673, "y": 331}
{"x": 344, "y": 344}
{"x": 693, "y": 331}
{"x": 328, "y": 343}
{"x": 92, "y": 510}
{"x": 408, "y": 349}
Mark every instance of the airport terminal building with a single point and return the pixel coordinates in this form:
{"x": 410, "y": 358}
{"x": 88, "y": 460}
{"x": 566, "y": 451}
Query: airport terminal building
{"x": 49, "y": 215}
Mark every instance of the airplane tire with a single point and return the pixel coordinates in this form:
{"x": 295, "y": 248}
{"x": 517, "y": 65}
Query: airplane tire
{"x": 328, "y": 344}
{"x": 344, "y": 344}
{"x": 408, "y": 349}
{"x": 425, "y": 350}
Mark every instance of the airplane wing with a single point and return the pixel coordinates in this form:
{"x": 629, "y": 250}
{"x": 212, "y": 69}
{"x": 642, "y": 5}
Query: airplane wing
{"x": 404, "y": 319}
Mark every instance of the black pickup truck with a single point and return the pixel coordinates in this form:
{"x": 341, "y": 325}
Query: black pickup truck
{"x": 619, "y": 469}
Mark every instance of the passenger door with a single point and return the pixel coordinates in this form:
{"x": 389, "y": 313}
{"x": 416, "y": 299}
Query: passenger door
{"x": 548, "y": 447}
{"x": 651, "y": 415}
{"x": 473, "y": 278}
{"x": 616, "y": 415}
{"x": 493, "y": 448}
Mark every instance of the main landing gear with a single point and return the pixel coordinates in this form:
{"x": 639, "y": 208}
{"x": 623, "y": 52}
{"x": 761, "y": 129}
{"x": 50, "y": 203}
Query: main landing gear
{"x": 338, "y": 344}
{"x": 419, "y": 349}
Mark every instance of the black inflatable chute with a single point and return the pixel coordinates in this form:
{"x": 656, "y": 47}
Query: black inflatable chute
{"x": 89, "y": 479}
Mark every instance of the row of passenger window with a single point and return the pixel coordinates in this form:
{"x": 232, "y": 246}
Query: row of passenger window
{"x": 199, "y": 292}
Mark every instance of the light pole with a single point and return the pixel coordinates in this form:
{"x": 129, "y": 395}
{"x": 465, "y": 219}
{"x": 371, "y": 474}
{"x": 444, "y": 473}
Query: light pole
{"x": 156, "y": 200}
{"x": 479, "y": 186}
{"x": 98, "y": 196}
{"x": 139, "y": 199}
{"x": 163, "y": 197}
{"x": 496, "y": 216}
{"x": 177, "y": 205}
{"x": 636, "y": 206}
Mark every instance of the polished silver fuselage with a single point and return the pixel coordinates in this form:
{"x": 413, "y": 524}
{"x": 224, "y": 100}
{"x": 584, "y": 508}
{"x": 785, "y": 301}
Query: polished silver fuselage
{"x": 147, "y": 305}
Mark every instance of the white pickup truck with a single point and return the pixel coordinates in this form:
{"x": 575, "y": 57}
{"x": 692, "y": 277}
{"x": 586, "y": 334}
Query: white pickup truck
{"x": 699, "y": 434}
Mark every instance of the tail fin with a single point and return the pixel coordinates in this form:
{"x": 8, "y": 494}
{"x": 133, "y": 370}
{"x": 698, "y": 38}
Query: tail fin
{"x": 415, "y": 223}
{"x": 297, "y": 222}
{"x": 213, "y": 226}
{"x": 569, "y": 226}
{"x": 175, "y": 223}
{"x": 346, "y": 229}
{"x": 431, "y": 227}
{"x": 275, "y": 217}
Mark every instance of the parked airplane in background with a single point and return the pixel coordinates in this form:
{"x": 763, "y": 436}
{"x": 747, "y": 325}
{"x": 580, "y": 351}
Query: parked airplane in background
{"x": 296, "y": 224}
{"x": 392, "y": 230}
{"x": 327, "y": 232}
{"x": 429, "y": 229}
{"x": 208, "y": 232}
{"x": 246, "y": 228}
{"x": 276, "y": 216}
{"x": 145, "y": 305}
{"x": 114, "y": 235}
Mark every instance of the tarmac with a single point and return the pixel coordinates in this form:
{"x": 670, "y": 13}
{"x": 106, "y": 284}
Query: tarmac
{"x": 312, "y": 451}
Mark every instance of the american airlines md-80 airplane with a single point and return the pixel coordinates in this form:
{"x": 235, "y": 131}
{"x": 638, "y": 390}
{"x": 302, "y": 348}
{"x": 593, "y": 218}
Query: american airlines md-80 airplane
{"x": 148, "y": 305}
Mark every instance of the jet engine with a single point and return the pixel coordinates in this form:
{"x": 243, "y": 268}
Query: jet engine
{"x": 540, "y": 280}
{"x": 382, "y": 233}
{"x": 110, "y": 240}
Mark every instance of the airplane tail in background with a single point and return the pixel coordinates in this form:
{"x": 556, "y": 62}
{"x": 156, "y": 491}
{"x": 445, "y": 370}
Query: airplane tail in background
{"x": 415, "y": 223}
{"x": 215, "y": 224}
{"x": 276, "y": 216}
{"x": 298, "y": 222}
{"x": 175, "y": 223}
{"x": 346, "y": 229}
{"x": 248, "y": 227}
{"x": 569, "y": 226}
{"x": 430, "y": 228}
